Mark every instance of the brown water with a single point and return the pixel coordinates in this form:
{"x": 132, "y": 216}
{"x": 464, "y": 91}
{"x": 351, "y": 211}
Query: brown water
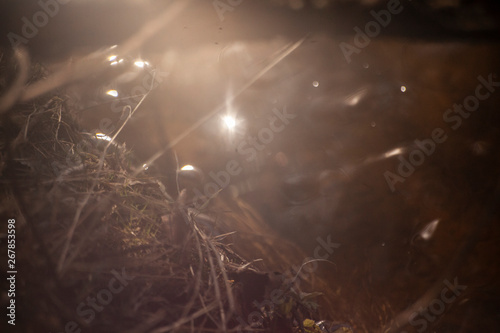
{"x": 317, "y": 144}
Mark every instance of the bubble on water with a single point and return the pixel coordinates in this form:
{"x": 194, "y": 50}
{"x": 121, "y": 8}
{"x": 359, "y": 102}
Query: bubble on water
{"x": 373, "y": 124}
{"x": 366, "y": 65}
{"x": 315, "y": 84}
{"x": 383, "y": 244}
{"x": 403, "y": 88}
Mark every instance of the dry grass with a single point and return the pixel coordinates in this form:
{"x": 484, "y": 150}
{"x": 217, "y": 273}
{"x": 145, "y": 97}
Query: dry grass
{"x": 84, "y": 216}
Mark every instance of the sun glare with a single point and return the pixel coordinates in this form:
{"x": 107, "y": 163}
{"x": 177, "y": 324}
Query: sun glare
{"x": 112, "y": 92}
{"x": 230, "y": 122}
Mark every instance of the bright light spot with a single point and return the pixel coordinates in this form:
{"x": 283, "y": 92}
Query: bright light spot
{"x": 111, "y": 58}
{"x": 429, "y": 229}
{"x": 102, "y": 136}
{"x": 120, "y": 61}
{"x": 315, "y": 84}
{"x": 403, "y": 88}
{"x": 351, "y": 101}
{"x": 145, "y": 166}
{"x": 114, "y": 63}
{"x": 141, "y": 63}
{"x": 230, "y": 122}
{"x": 354, "y": 98}
{"x": 393, "y": 152}
{"x": 112, "y": 92}
{"x": 187, "y": 167}
{"x": 229, "y": 117}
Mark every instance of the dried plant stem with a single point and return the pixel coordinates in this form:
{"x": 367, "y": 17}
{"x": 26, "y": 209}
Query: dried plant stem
{"x": 90, "y": 192}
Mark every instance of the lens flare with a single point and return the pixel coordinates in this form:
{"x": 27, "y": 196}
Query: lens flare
{"x": 394, "y": 152}
{"x": 141, "y": 63}
{"x": 112, "y": 92}
{"x": 230, "y": 122}
{"x": 102, "y": 136}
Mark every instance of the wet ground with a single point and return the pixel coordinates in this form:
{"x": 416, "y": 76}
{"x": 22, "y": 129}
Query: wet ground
{"x": 388, "y": 153}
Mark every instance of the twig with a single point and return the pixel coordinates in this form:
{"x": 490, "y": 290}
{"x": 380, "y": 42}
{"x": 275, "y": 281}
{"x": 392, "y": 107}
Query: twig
{"x": 184, "y": 320}
{"x": 85, "y": 200}
{"x": 305, "y": 263}
{"x": 229, "y": 292}
{"x": 196, "y": 290}
{"x": 216, "y": 288}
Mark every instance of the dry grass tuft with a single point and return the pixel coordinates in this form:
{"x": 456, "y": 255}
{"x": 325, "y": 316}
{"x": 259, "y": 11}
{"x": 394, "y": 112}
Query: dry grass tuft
{"x": 83, "y": 219}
